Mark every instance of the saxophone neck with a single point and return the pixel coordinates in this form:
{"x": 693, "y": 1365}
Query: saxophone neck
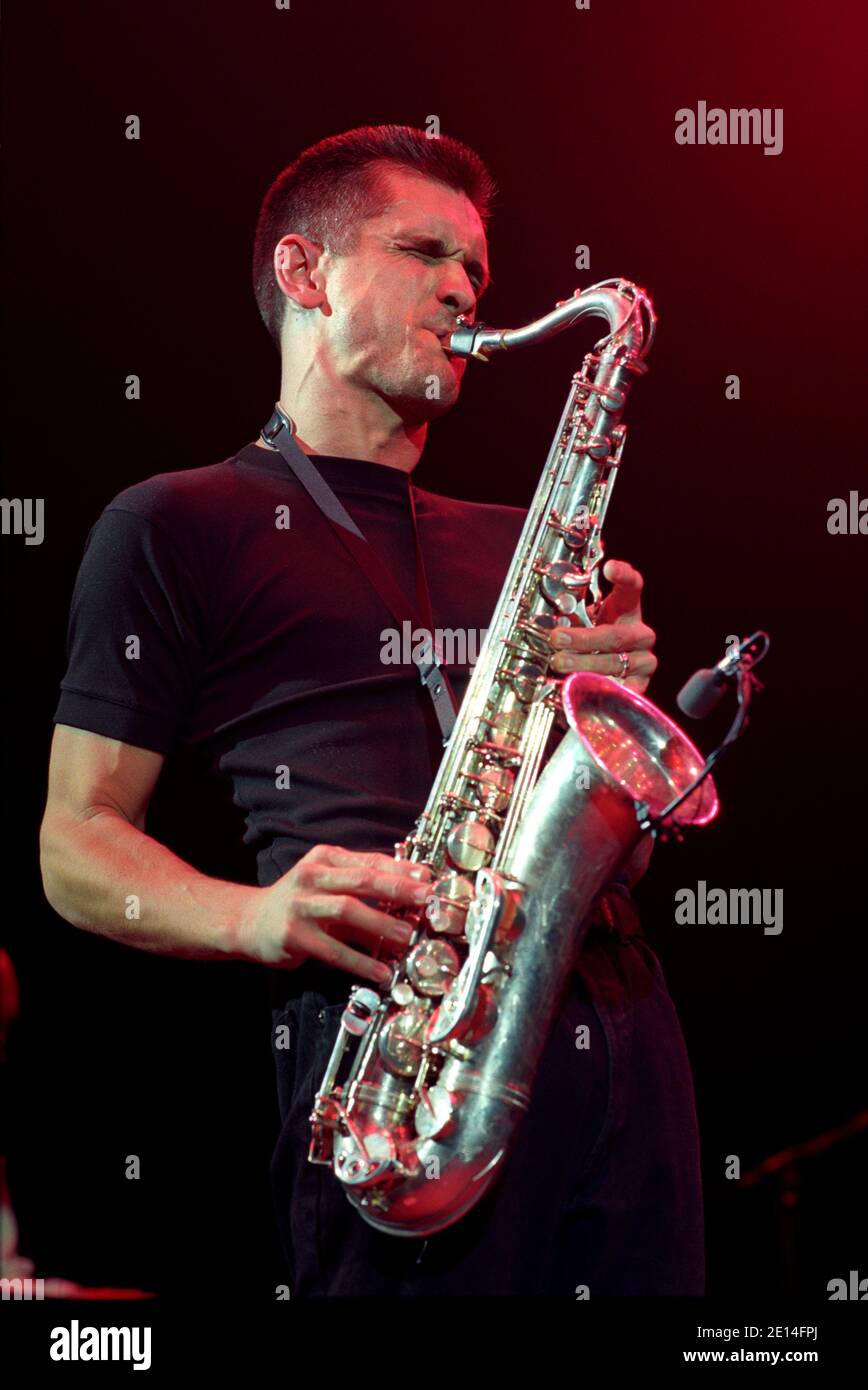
{"x": 626, "y": 308}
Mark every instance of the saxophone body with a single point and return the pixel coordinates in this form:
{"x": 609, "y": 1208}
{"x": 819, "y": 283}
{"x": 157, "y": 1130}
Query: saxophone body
{"x": 428, "y": 1079}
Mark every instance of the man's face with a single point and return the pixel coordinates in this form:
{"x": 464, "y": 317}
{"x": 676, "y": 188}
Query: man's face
{"x": 416, "y": 267}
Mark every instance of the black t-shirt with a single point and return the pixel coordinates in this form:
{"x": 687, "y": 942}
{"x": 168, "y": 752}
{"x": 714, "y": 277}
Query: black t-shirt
{"x": 210, "y": 622}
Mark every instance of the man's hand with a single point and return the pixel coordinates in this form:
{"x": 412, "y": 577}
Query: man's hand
{"x": 620, "y": 629}
{"x": 316, "y": 907}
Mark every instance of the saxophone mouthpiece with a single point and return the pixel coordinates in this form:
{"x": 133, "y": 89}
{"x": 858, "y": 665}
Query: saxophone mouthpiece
{"x": 465, "y": 340}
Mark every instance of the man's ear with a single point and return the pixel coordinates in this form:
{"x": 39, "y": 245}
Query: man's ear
{"x": 296, "y": 258}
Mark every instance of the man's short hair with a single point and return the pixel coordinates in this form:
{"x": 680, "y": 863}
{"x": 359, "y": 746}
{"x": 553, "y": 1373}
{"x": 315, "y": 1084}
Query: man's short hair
{"x": 336, "y": 184}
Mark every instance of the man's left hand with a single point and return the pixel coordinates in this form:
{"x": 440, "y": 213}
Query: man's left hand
{"x": 620, "y": 629}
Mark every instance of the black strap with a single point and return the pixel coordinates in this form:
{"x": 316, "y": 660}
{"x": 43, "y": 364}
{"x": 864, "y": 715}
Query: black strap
{"x": 279, "y": 434}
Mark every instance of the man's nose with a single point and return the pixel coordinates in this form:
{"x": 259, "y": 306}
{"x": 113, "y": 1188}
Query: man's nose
{"x": 457, "y": 291}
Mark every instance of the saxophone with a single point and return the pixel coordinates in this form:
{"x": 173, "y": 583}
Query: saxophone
{"x": 417, "y": 1119}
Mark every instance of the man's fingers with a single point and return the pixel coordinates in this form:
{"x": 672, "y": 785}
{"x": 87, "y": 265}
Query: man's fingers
{"x": 393, "y": 888}
{"x": 348, "y": 912}
{"x": 608, "y": 637}
{"x": 369, "y": 875}
{"x": 335, "y": 915}
{"x": 320, "y": 945}
{"x": 638, "y": 683}
{"x": 624, "y": 602}
{"x": 371, "y": 861}
{"x": 639, "y": 664}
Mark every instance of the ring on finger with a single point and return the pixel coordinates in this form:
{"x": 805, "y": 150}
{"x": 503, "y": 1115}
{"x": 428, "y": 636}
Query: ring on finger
{"x": 625, "y": 665}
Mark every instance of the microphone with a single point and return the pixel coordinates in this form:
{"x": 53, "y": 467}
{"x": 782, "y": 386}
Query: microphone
{"x": 705, "y": 689}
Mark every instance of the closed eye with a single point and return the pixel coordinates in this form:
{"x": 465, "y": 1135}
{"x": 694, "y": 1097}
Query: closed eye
{"x": 475, "y": 280}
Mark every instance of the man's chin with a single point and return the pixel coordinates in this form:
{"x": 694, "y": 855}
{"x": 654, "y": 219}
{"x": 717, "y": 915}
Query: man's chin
{"x": 438, "y": 393}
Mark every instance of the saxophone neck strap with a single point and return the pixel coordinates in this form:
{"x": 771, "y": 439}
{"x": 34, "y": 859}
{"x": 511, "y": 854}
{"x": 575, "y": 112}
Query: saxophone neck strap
{"x": 279, "y": 434}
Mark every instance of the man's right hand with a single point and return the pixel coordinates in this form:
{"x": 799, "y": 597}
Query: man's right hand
{"x": 316, "y": 908}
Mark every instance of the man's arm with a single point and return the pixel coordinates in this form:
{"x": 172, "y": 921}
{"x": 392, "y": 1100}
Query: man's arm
{"x": 102, "y": 873}
{"x": 95, "y": 856}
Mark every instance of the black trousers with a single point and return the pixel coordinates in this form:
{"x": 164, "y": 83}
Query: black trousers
{"x": 600, "y": 1193}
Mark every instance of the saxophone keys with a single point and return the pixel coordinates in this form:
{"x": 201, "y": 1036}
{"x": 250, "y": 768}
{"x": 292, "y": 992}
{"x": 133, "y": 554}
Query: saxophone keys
{"x": 534, "y": 634}
{"x": 538, "y": 631}
{"x": 575, "y": 534}
{"x": 448, "y": 902}
{"x": 510, "y": 924}
{"x": 470, "y": 1020}
{"x": 564, "y": 586}
{"x": 599, "y": 446}
{"x": 612, "y": 399}
{"x": 524, "y": 678}
{"x": 357, "y": 1168}
{"x": 492, "y": 967}
{"x": 400, "y": 1041}
{"x": 434, "y": 1116}
{"x": 356, "y": 1017}
{"x": 504, "y": 728}
{"x": 501, "y": 749}
{"x": 470, "y": 844}
{"x": 432, "y": 966}
{"x": 493, "y": 787}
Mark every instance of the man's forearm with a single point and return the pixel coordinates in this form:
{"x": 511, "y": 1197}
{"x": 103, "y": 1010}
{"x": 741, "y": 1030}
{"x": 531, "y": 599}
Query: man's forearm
{"x": 105, "y": 876}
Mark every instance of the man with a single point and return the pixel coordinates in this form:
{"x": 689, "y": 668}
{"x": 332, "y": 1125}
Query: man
{"x": 216, "y": 611}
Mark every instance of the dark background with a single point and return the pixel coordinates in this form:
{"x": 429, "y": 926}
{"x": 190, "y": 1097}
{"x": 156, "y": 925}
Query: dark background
{"x": 126, "y": 257}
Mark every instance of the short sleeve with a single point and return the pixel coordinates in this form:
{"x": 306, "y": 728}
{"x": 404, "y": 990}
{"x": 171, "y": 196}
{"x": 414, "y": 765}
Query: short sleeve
{"x": 136, "y": 635}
